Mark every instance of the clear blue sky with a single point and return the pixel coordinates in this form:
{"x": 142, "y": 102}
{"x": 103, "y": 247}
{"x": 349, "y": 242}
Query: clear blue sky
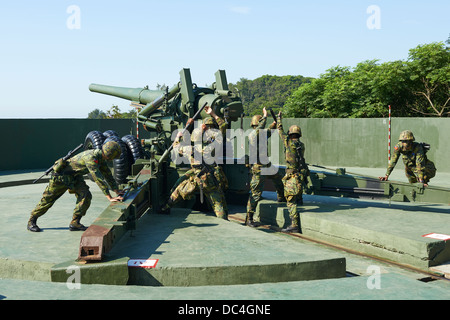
{"x": 46, "y": 67}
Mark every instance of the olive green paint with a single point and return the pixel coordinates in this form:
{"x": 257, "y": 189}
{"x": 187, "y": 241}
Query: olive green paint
{"x": 37, "y": 143}
{"x": 364, "y": 142}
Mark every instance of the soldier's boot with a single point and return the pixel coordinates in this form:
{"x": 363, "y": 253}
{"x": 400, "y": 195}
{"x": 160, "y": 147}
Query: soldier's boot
{"x": 291, "y": 228}
{"x": 253, "y": 224}
{"x": 32, "y": 226}
{"x": 75, "y": 224}
{"x": 165, "y": 209}
{"x": 281, "y": 198}
{"x": 294, "y": 227}
{"x": 250, "y": 222}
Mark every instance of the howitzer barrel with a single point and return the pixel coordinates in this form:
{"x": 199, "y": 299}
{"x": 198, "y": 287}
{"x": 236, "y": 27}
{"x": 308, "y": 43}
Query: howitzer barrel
{"x": 141, "y": 95}
{"x": 152, "y": 98}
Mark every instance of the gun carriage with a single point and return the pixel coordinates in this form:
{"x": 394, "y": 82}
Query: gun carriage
{"x": 144, "y": 167}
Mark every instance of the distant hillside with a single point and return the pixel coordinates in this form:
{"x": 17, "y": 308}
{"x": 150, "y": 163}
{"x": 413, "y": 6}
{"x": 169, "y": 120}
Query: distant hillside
{"x": 267, "y": 91}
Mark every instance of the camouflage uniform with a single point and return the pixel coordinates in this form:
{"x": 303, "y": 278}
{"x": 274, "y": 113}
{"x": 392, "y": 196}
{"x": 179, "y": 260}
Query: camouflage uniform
{"x": 257, "y": 180}
{"x": 296, "y": 172}
{"x": 212, "y": 182}
{"x": 417, "y": 165}
{"x": 69, "y": 176}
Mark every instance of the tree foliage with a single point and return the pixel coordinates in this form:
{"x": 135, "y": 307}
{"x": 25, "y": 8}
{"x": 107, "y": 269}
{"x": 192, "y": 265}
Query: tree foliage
{"x": 266, "y": 91}
{"x": 113, "y": 113}
{"x": 419, "y": 86}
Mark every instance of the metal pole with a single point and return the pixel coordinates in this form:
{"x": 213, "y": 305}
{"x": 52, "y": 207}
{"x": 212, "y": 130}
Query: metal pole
{"x": 389, "y": 136}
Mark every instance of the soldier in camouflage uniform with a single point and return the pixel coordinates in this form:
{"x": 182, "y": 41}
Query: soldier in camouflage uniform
{"x": 296, "y": 171}
{"x": 68, "y": 175}
{"x": 257, "y": 181}
{"x": 205, "y": 176}
{"x": 417, "y": 166}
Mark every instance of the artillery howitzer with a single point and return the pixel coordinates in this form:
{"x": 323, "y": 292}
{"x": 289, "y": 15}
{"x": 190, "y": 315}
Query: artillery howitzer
{"x": 144, "y": 166}
{"x": 148, "y": 175}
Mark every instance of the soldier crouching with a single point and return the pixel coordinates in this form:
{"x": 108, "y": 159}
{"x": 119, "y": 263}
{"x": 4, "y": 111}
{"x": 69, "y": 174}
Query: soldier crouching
{"x": 418, "y": 168}
{"x": 208, "y": 179}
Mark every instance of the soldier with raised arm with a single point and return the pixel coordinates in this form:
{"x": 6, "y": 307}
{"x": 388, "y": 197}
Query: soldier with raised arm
{"x": 204, "y": 176}
{"x": 258, "y": 123}
{"x": 296, "y": 171}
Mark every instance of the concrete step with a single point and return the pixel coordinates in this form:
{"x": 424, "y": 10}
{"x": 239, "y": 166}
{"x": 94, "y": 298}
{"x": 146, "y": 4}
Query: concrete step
{"x": 390, "y": 231}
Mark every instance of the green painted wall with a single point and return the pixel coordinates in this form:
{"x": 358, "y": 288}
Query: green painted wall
{"x": 364, "y": 142}
{"x": 37, "y": 143}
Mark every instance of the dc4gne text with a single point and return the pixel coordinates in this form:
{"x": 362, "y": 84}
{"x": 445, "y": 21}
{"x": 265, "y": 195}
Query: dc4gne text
{"x": 235, "y": 309}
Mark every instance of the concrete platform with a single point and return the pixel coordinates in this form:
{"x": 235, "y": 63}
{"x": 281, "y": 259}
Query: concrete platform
{"x": 197, "y": 243}
{"x": 194, "y": 249}
{"x": 392, "y": 286}
{"x": 384, "y": 229}
{"x": 388, "y": 231}
{"x": 198, "y": 249}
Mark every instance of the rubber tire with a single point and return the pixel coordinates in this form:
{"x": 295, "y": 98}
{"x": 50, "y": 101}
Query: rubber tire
{"x": 94, "y": 140}
{"x": 134, "y": 148}
{"x": 121, "y": 165}
{"x": 109, "y": 133}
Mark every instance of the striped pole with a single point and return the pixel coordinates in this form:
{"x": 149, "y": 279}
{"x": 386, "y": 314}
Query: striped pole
{"x": 138, "y": 107}
{"x": 137, "y": 128}
{"x": 389, "y": 136}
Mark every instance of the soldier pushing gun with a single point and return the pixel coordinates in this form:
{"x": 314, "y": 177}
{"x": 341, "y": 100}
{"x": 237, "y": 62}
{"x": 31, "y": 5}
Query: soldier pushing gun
{"x": 67, "y": 174}
{"x": 204, "y": 177}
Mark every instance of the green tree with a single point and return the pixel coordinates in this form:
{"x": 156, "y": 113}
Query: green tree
{"x": 114, "y": 113}
{"x": 419, "y": 86}
{"x": 97, "y": 114}
{"x": 430, "y": 75}
{"x": 266, "y": 91}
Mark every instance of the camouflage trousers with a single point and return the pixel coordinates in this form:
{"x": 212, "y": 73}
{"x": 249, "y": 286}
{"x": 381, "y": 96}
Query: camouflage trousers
{"x": 257, "y": 186}
{"x": 211, "y": 189}
{"x": 428, "y": 172}
{"x": 57, "y": 186}
{"x": 293, "y": 191}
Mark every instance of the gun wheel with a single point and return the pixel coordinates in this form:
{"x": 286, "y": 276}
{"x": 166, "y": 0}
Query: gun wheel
{"x": 121, "y": 165}
{"x": 93, "y": 140}
{"x": 134, "y": 147}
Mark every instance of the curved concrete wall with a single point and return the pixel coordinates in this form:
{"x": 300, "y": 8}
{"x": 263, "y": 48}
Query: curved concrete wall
{"x": 37, "y": 143}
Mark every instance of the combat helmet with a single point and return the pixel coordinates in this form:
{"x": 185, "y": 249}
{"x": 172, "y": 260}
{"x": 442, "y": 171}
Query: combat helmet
{"x": 406, "y": 135}
{"x": 255, "y": 120}
{"x": 209, "y": 121}
{"x": 111, "y": 150}
{"x": 295, "y": 129}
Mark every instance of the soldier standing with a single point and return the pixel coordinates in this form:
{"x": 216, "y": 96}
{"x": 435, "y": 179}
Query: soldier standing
{"x": 417, "y": 166}
{"x": 68, "y": 175}
{"x": 258, "y": 123}
{"x": 205, "y": 176}
{"x": 296, "y": 171}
